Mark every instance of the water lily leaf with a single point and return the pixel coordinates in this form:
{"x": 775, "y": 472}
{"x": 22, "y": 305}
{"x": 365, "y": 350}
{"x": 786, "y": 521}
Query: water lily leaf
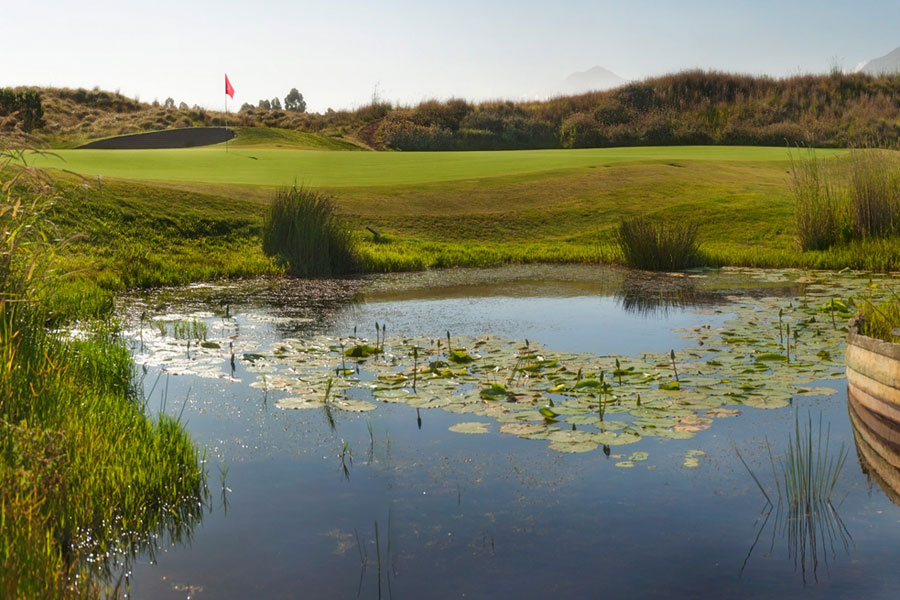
{"x": 721, "y": 413}
{"x": 770, "y": 356}
{"x": 470, "y": 427}
{"x": 574, "y": 448}
{"x": 691, "y": 463}
{"x": 766, "y": 402}
{"x": 548, "y": 412}
{"x": 460, "y": 356}
{"x": 299, "y": 403}
{"x": 672, "y": 385}
{"x": 495, "y": 392}
{"x": 428, "y": 402}
{"x": 639, "y": 456}
{"x": 522, "y": 429}
{"x": 391, "y": 394}
{"x": 352, "y": 405}
{"x": 625, "y": 464}
{"x": 819, "y": 391}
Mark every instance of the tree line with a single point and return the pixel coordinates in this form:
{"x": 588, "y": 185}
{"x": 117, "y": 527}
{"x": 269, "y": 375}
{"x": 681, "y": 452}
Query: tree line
{"x": 293, "y": 102}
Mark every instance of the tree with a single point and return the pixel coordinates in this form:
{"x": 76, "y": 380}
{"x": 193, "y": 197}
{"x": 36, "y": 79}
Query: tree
{"x": 182, "y": 106}
{"x": 170, "y": 102}
{"x": 265, "y": 104}
{"x": 246, "y": 106}
{"x": 276, "y": 103}
{"x": 294, "y": 101}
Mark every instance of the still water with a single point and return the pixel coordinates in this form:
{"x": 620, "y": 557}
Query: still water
{"x": 391, "y": 503}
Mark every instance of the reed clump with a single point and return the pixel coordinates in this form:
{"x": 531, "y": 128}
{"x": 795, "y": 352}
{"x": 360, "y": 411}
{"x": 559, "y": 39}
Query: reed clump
{"x": 817, "y": 203}
{"x": 658, "y": 246}
{"x": 303, "y": 231}
{"x": 853, "y": 198}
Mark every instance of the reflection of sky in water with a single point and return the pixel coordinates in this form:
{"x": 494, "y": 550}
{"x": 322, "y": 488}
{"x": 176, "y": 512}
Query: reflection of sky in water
{"x": 494, "y": 515}
{"x": 575, "y": 324}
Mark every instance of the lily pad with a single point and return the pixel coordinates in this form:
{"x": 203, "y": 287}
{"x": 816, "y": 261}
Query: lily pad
{"x": 471, "y": 427}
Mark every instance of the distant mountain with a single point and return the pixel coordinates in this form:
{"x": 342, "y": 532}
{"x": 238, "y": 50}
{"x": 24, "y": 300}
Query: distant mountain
{"x": 596, "y": 78}
{"x": 889, "y": 63}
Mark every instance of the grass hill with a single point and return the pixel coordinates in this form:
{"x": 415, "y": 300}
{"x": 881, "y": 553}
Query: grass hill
{"x": 692, "y": 107}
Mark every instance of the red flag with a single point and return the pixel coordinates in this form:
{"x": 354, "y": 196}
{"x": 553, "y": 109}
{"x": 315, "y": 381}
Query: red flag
{"x": 228, "y": 89}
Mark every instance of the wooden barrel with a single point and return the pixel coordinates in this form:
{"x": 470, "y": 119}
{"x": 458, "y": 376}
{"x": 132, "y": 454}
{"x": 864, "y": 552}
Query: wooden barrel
{"x": 873, "y": 374}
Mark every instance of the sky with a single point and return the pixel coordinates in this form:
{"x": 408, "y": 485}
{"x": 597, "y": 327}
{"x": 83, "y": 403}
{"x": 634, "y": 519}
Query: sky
{"x": 340, "y": 54}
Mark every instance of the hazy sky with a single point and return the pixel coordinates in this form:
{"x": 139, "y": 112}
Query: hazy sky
{"x": 336, "y": 52}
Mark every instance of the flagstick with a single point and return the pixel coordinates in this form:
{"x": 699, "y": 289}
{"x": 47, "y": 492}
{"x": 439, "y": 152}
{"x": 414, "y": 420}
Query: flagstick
{"x": 226, "y": 122}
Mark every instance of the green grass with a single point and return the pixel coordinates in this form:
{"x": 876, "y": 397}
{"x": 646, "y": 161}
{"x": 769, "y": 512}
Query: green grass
{"x": 445, "y": 209}
{"x": 279, "y": 167}
{"x": 86, "y": 475}
{"x": 274, "y": 137}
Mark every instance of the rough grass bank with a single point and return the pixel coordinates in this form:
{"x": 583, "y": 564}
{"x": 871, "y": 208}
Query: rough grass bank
{"x": 87, "y": 478}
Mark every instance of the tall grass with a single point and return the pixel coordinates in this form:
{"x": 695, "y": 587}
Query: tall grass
{"x": 303, "y": 231}
{"x": 855, "y": 198}
{"x": 874, "y": 193}
{"x": 817, "y": 206}
{"x": 656, "y": 246}
{"x": 86, "y": 477}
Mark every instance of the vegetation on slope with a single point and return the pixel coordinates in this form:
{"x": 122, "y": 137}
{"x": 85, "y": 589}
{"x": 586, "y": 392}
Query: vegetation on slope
{"x": 496, "y": 208}
{"x": 692, "y": 107}
{"x": 86, "y": 476}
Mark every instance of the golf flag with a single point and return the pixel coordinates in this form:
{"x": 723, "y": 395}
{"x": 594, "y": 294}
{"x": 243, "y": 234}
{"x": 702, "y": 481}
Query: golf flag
{"x": 228, "y": 89}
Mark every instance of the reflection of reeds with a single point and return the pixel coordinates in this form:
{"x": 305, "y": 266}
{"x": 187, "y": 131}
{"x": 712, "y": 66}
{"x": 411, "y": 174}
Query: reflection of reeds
{"x": 804, "y": 477}
{"x": 645, "y": 294}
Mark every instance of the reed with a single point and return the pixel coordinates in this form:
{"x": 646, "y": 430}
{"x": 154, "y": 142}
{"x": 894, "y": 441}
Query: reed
{"x": 817, "y": 202}
{"x": 303, "y": 231}
{"x": 656, "y": 246}
{"x": 874, "y": 193}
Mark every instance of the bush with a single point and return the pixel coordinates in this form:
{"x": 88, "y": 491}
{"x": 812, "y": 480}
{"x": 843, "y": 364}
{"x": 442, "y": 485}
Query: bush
{"x": 658, "y": 246}
{"x": 303, "y": 231}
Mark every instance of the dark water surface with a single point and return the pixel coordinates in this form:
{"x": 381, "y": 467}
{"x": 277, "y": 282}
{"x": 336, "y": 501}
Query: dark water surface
{"x": 424, "y": 512}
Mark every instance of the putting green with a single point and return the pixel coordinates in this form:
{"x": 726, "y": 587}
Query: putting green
{"x": 249, "y": 165}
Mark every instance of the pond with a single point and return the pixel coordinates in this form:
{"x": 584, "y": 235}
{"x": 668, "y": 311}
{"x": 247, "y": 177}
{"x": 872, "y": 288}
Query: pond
{"x": 517, "y": 432}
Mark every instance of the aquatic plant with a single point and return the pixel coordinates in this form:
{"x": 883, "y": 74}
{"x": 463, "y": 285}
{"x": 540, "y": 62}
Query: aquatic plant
{"x": 303, "y": 230}
{"x": 658, "y": 246}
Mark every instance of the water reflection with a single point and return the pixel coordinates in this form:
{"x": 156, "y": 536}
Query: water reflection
{"x": 798, "y": 502}
{"x": 647, "y": 294}
{"x": 877, "y": 447}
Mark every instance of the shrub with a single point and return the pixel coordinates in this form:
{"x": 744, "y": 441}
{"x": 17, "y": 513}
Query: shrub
{"x": 303, "y": 231}
{"x": 658, "y": 246}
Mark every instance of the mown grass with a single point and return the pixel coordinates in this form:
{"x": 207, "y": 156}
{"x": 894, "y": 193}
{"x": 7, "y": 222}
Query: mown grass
{"x": 86, "y": 476}
{"x": 287, "y": 138}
